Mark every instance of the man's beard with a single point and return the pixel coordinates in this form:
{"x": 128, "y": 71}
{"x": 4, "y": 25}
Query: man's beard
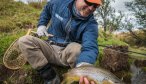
{"x": 85, "y": 11}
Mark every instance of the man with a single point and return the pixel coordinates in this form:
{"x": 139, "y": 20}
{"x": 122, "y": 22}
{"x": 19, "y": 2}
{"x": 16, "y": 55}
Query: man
{"x": 72, "y": 39}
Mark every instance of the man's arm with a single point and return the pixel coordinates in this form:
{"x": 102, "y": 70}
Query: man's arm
{"x": 46, "y": 14}
{"x": 89, "y": 50}
{"x": 44, "y": 19}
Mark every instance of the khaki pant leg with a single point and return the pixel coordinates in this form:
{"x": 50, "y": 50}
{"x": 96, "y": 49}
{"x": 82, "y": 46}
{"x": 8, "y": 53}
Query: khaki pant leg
{"x": 38, "y": 52}
{"x": 70, "y": 54}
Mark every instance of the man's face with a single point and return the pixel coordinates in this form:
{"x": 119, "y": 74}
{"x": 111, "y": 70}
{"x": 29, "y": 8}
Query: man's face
{"x": 85, "y": 8}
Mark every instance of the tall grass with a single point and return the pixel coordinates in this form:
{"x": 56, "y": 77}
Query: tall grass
{"x": 132, "y": 40}
{"x": 17, "y": 15}
{"x": 7, "y": 39}
{"x": 109, "y": 39}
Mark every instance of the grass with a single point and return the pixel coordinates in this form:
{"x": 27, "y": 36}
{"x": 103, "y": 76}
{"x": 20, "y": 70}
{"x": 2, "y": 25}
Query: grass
{"x": 138, "y": 56}
{"x": 7, "y": 39}
{"x": 17, "y": 15}
{"x": 15, "y": 19}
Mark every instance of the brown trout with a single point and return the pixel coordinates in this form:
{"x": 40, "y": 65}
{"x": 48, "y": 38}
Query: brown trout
{"x": 98, "y": 75}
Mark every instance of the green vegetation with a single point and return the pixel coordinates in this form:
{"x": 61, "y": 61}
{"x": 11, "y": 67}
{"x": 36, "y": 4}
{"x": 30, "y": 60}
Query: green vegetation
{"x": 17, "y": 15}
{"x": 15, "y": 19}
{"x": 7, "y": 39}
{"x": 109, "y": 39}
{"x": 137, "y": 38}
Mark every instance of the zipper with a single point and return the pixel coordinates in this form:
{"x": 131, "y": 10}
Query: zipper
{"x": 68, "y": 29}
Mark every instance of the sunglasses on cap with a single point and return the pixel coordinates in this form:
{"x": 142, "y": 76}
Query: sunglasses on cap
{"x": 91, "y": 4}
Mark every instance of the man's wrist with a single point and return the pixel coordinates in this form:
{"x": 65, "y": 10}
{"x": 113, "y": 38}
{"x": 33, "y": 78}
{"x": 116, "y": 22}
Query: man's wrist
{"x": 42, "y": 26}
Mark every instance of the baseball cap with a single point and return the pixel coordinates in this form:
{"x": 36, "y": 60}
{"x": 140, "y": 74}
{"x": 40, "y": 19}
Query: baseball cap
{"x": 95, "y": 1}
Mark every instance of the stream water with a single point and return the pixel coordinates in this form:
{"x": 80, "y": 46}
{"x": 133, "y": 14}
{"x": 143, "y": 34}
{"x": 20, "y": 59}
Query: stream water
{"x": 138, "y": 74}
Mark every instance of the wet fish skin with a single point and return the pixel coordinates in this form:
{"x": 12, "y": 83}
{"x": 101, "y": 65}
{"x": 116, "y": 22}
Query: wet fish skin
{"x": 98, "y": 75}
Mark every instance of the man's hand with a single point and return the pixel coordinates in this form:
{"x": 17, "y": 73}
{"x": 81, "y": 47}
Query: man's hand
{"x": 42, "y": 31}
{"x": 84, "y": 80}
